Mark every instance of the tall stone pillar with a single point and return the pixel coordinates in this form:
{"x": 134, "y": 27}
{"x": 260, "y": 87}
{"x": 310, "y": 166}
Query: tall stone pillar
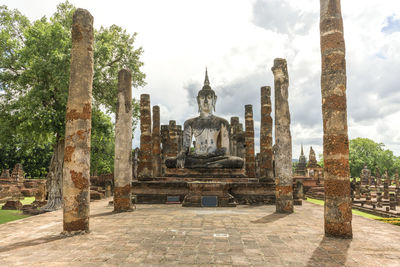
{"x": 249, "y": 140}
{"x": 266, "y": 168}
{"x": 240, "y": 142}
{"x": 173, "y": 139}
{"x": 123, "y": 144}
{"x": 283, "y": 139}
{"x": 145, "y": 168}
{"x": 76, "y": 170}
{"x": 233, "y": 132}
{"x": 334, "y": 114}
{"x": 156, "y": 142}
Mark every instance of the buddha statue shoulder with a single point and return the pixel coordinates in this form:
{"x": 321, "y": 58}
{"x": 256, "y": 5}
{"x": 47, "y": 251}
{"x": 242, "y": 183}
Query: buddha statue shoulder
{"x": 211, "y": 135}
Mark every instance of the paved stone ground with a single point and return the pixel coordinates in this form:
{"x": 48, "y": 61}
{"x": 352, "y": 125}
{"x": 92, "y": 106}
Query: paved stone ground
{"x": 169, "y": 235}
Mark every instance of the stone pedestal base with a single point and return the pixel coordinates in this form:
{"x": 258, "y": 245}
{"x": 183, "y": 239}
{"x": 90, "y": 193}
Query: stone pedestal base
{"x": 197, "y": 190}
{"x": 205, "y": 173}
{"x": 161, "y": 190}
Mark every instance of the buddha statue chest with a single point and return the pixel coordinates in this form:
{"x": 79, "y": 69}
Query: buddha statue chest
{"x": 205, "y": 141}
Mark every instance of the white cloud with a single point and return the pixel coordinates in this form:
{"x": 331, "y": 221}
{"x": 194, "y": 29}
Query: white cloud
{"x": 238, "y": 41}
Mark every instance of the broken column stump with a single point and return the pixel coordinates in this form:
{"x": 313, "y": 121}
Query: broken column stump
{"x": 334, "y": 114}
{"x": 283, "y": 139}
{"x": 266, "y": 169}
{"x": 123, "y": 144}
{"x": 145, "y": 168}
{"x": 249, "y": 140}
{"x": 76, "y": 171}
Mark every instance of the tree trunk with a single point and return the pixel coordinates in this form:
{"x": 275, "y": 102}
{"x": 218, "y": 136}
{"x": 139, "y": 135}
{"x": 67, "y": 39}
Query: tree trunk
{"x": 55, "y": 178}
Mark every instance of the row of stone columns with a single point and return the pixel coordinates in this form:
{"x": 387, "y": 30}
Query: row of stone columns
{"x": 76, "y": 172}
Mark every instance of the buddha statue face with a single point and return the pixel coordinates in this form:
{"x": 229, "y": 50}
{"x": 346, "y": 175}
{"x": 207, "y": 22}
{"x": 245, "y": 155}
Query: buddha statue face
{"x": 206, "y": 102}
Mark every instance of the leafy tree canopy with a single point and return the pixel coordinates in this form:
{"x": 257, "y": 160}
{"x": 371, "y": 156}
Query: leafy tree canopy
{"x": 365, "y": 151}
{"x": 34, "y": 75}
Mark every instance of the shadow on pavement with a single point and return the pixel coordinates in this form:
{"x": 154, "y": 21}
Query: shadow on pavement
{"x": 31, "y": 243}
{"x": 271, "y": 218}
{"x": 103, "y": 214}
{"x": 330, "y": 251}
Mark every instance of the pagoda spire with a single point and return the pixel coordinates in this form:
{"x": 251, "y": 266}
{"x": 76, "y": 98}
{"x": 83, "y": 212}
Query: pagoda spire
{"x": 302, "y": 153}
{"x": 206, "y": 81}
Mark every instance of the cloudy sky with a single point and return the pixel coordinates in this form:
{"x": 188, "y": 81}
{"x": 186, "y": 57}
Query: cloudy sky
{"x": 238, "y": 40}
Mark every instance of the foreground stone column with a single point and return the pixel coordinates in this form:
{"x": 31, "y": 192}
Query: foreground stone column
{"x": 123, "y": 144}
{"x": 156, "y": 137}
{"x": 249, "y": 139}
{"x": 334, "y": 114}
{"x": 145, "y": 169}
{"x": 76, "y": 170}
{"x": 266, "y": 169}
{"x": 283, "y": 139}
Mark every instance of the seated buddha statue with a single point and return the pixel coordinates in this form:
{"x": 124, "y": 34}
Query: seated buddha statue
{"x": 211, "y": 134}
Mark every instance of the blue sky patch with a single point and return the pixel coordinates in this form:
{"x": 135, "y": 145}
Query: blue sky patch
{"x": 392, "y": 25}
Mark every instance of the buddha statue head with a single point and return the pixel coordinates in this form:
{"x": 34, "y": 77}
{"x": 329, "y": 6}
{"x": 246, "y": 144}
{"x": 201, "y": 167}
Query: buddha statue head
{"x": 206, "y": 98}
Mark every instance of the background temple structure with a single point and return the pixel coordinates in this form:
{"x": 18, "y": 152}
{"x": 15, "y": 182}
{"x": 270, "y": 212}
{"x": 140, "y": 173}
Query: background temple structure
{"x": 204, "y": 186}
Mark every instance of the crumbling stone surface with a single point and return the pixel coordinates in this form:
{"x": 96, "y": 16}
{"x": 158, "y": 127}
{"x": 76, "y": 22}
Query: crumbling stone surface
{"x": 283, "y": 139}
{"x": 12, "y": 205}
{"x": 250, "y": 162}
{"x": 123, "y": 144}
{"x": 266, "y": 163}
{"x": 156, "y": 142}
{"x": 338, "y": 214}
{"x": 145, "y": 165}
{"x": 76, "y": 171}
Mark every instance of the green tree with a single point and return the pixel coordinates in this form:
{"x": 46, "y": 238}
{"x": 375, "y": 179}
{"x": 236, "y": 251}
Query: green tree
{"x": 365, "y": 151}
{"x": 102, "y": 142}
{"x": 34, "y": 77}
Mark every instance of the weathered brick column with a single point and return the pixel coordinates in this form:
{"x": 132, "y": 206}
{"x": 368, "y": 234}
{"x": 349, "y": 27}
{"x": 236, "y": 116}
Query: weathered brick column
{"x": 172, "y": 139}
{"x": 334, "y": 114}
{"x": 145, "y": 168}
{"x": 283, "y": 139}
{"x": 156, "y": 142}
{"x": 76, "y": 171}
{"x": 233, "y": 132}
{"x": 266, "y": 169}
{"x": 249, "y": 140}
{"x": 123, "y": 144}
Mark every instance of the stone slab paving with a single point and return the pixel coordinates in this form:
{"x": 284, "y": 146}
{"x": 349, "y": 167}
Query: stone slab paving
{"x": 169, "y": 235}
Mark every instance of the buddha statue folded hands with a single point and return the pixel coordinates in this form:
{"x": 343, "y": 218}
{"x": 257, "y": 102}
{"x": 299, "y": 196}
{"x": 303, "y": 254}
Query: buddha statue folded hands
{"x": 211, "y": 134}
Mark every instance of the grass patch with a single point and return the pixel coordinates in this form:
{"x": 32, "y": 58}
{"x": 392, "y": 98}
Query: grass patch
{"x": 27, "y": 200}
{"x": 315, "y": 201}
{"x": 12, "y": 215}
{"x": 356, "y": 212}
{"x": 366, "y": 215}
{"x": 395, "y": 221}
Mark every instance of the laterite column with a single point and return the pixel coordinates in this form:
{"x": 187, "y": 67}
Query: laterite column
{"x": 266, "y": 169}
{"x": 145, "y": 169}
{"x": 76, "y": 171}
{"x": 283, "y": 139}
{"x": 249, "y": 140}
{"x": 334, "y": 114}
{"x": 156, "y": 142}
{"x": 123, "y": 144}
